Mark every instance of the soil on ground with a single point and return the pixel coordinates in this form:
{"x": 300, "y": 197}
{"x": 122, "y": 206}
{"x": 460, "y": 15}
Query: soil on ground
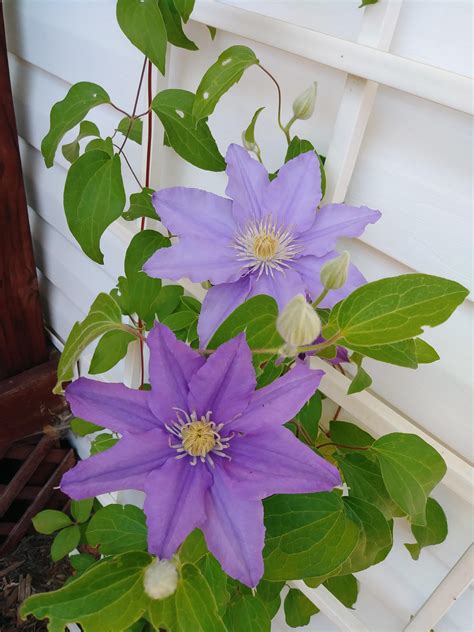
{"x": 26, "y": 571}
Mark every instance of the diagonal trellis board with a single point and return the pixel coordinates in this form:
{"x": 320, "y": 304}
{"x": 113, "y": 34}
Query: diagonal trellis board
{"x": 368, "y": 64}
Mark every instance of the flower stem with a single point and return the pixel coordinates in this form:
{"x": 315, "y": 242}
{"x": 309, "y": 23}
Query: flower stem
{"x": 322, "y": 345}
{"x": 135, "y": 105}
{"x": 321, "y": 297}
{"x": 284, "y": 129}
{"x": 342, "y": 445}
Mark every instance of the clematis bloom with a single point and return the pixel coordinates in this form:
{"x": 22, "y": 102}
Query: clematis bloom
{"x": 268, "y": 238}
{"x": 203, "y": 445}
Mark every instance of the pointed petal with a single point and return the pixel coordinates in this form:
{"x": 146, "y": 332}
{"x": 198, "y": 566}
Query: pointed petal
{"x": 124, "y": 466}
{"x": 172, "y": 365}
{"x": 274, "y": 461}
{"x": 293, "y": 197}
{"x": 234, "y": 530}
{"x": 283, "y": 286}
{"x": 248, "y": 181}
{"x": 277, "y": 403}
{"x": 220, "y": 302}
{"x": 333, "y": 222}
{"x": 174, "y": 504}
{"x": 197, "y": 259}
{"x": 225, "y": 384}
{"x": 114, "y": 406}
{"x": 186, "y": 211}
{"x": 309, "y": 268}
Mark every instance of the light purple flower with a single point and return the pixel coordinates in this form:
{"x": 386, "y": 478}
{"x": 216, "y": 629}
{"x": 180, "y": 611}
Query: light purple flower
{"x": 267, "y": 239}
{"x": 203, "y": 445}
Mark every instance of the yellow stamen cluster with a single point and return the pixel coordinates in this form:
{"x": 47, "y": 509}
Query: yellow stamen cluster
{"x": 265, "y": 246}
{"x": 198, "y": 438}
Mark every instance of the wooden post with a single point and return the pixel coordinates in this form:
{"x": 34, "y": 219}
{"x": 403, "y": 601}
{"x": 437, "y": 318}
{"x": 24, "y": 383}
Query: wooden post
{"x": 22, "y": 337}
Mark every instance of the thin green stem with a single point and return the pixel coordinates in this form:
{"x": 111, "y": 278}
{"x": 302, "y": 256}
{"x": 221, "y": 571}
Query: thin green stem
{"x": 135, "y": 105}
{"x": 128, "y": 164}
{"x": 341, "y": 445}
{"x": 280, "y": 124}
{"x": 321, "y": 297}
{"x": 322, "y": 345}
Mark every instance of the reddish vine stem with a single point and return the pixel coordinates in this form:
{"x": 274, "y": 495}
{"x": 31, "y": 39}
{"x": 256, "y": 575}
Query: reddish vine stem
{"x": 135, "y": 105}
{"x": 341, "y": 445}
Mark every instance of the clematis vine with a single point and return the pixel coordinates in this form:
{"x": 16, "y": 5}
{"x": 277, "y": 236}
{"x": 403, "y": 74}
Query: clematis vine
{"x": 265, "y": 238}
{"x": 203, "y": 445}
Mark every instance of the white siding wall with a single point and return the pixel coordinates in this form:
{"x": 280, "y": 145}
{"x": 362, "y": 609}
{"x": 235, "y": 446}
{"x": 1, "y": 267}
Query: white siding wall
{"x": 414, "y": 165}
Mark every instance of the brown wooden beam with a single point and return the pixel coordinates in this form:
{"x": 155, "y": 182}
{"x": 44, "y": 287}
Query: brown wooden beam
{"x": 22, "y": 338}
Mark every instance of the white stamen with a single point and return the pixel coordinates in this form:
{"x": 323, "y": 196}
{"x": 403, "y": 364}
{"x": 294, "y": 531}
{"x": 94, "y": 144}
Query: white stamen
{"x": 265, "y": 248}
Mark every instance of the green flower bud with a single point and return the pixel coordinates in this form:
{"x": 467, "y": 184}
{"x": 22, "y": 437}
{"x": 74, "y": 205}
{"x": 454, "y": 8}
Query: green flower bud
{"x": 303, "y": 106}
{"x": 160, "y": 579}
{"x": 333, "y": 274}
{"x": 298, "y": 324}
{"x": 249, "y": 145}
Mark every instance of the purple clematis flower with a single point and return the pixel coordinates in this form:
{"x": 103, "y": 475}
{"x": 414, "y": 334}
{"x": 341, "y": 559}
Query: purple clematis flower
{"x": 203, "y": 445}
{"x": 267, "y": 239}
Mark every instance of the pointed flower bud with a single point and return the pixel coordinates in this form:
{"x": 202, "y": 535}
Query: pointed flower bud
{"x": 303, "y": 106}
{"x": 248, "y": 144}
{"x": 298, "y": 324}
{"x": 160, "y": 579}
{"x": 333, "y": 274}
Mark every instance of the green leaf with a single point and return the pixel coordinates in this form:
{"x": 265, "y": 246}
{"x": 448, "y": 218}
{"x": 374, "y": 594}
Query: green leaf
{"x": 196, "y": 607}
{"x": 212, "y": 31}
{"x": 118, "y": 529}
{"x": 307, "y": 535}
{"x": 375, "y": 536}
{"x": 82, "y": 427}
{"x": 220, "y": 77}
{"x": 185, "y": 8}
{"x": 249, "y": 133}
{"x": 131, "y": 128}
{"x": 67, "y": 113}
{"x": 360, "y": 382}
{"x": 191, "y": 304}
{"x": 411, "y": 468}
{"x": 104, "y": 315}
{"x": 344, "y": 588}
{"x": 257, "y": 318}
{"x": 269, "y": 593}
{"x": 310, "y": 415}
{"x": 401, "y": 353}
{"x": 364, "y": 479}
{"x": 174, "y": 27}
{"x": 65, "y": 541}
{"x": 162, "y": 614}
{"x": 141, "y": 206}
{"x": 347, "y": 433}
{"x": 270, "y": 373}
{"x": 112, "y": 347}
{"x": 50, "y": 520}
{"x": 192, "y": 142}
{"x": 103, "y": 442}
{"x": 397, "y": 308}
{"x": 101, "y": 144}
{"x": 367, "y": 2}
{"x": 425, "y": 354}
{"x": 81, "y": 562}
{"x": 298, "y": 608}
{"x": 143, "y": 24}
{"x": 180, "y": 320}
{"x": 107, "y": 596}
{"x": 94, "y": 197}
{"x": 300, "y": 146}
{"x": 193, "y": 548}
{"x": 247, "y": 614}
{"x": 217, "y": 579}
{"x": 70, "y": 151}
{"x": 81, "y": 509}
{"x": 434, "y": 532}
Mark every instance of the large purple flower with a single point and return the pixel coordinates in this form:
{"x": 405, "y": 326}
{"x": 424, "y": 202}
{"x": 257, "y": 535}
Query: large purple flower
{"x": 203, "y": 445}
{"x": 267, "y": 239}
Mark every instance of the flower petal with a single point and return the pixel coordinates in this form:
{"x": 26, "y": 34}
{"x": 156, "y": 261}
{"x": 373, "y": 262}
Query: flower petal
{"x": 248, "y": 181}
{"x": 293, "y": 197}
{"x": 234, "y": 530}
{"x": 198, "y": 259}
{"x": 172, "y": 365}
{"x": 309, "y": 267}
{"x": 283, "y": 286}
{"x": 219, "y": 302}
{"x": 277, "y": 403}
{"x": 274, "y": 461}
{"x": 225, "y": 384}
{"x": 114, "y": 406}
{"x": 174, "y": 504}
{"x": 124, "y": 466}
{"x": 186, "y": 211}
{"x": 334, "y": 221}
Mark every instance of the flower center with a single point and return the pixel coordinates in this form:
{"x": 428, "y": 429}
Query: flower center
{"x": 264, "y": 248}
{"x": 198, "y": 438}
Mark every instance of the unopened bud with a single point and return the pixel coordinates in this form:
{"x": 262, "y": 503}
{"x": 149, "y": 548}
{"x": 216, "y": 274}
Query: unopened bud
{"x": 298, "y": 324}
{"x": 303, "y": 106}
{"x": 333, "y": 274}
{"x": 160, "y": 579}
{"x": 248, "y": 144}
